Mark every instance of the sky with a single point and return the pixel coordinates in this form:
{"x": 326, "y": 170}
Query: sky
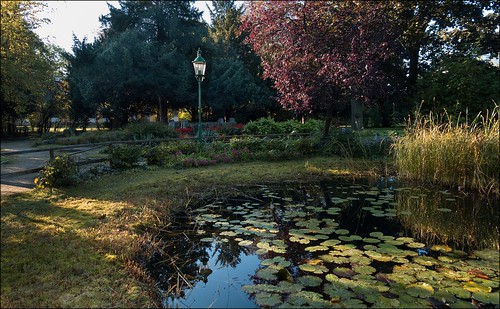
{"x": 82, "y": 19}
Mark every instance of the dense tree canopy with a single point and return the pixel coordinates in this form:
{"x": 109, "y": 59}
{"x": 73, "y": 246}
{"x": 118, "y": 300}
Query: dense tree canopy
{"x": 28, "y": 67}
{"x": 316, "y": 57}
{"x": 320, "y": 54}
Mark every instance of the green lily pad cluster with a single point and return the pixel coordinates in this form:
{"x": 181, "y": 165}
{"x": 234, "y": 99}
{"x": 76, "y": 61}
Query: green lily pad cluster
{"x": 309, "y": 259}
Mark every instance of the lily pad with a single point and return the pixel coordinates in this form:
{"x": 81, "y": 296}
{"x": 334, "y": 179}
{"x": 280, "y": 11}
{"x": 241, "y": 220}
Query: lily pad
{"x": 476, "y": 288}
{"x": 245, "y": 243}
{"x": 267, "y": 299}
{"x": 364, "y": 269}
{"x": 344, "y": 272}
{"x": 267, "y": 273}
{"x": 311, "y": 281}
{"x": 420, "y": 289}
{"x": 317, "y": 269}
{"x": 330, "y": 242}
{"x": 316, "y": 248}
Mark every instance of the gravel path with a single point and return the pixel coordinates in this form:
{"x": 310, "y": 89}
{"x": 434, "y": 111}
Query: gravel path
{"x": 20, "y": 183}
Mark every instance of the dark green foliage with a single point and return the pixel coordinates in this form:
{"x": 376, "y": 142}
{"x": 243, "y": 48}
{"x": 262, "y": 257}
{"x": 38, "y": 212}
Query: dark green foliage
{"x": 460, "y": 85}
{"x": 123, "y": 156}
{"x": 263, "y": 126}
{"x": 59, "y": 172}
{"x": 149, "y": 130}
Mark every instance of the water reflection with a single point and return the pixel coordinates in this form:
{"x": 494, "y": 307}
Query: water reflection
{"x": 326, "y": 242}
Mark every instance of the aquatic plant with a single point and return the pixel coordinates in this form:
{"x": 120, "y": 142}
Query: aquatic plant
{"x": 451, "y": 152}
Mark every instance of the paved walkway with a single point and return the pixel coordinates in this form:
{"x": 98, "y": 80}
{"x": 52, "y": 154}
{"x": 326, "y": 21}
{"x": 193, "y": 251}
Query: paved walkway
{"x": 20, "y": 183}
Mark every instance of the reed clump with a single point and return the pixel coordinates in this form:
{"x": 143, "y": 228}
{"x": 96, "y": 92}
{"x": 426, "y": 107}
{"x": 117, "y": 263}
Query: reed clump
{"x": 438, "y": 149}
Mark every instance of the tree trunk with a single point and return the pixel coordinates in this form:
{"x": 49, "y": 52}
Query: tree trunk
{"x": 413, "y": 68}
{"x": 162, "y": 111}
{"x": 328, "y": 122}
{"x": 356, "y": 115}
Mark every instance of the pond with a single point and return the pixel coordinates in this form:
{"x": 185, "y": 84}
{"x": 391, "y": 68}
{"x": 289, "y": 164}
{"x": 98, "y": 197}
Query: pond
{"x": 332, "y": 245}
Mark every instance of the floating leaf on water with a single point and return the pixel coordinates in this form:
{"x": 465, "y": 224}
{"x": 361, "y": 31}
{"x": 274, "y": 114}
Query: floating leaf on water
{"x": 360, "y": 260}
{"x": 330, "y": 242}
{"x": 267, "y": 273}
{"x": 447, "y": 259}
{"x": 444, "y": 209}
{"x": 261, "y": 251}
{"x": 425, "y": 260}
{"x": 379, "y": 256}
{"x": 386, "y": 238}
{"x": 342, "y": 231}
{"x": 458, "y": 292}
{"x": 207, "y": 239}
{"x": 402, "y": 278}
{"x": 376, "y": 234}
{"x": 267, "y": 299}
{"x": 316, "y": 248}
{"x": 474, "y": 287}
{"x": 344, "y": 272}
{"x": 317, "y": 269}
{"x": 487, "y": 254}
{"x": 331, "y": 278}
{"x": 394, "y": 242}
{"x": 228, "y": 233}
{"x": 420, "y": 289}
{"x": 245, "y": 243}
{"x": 311, "y": 281}
{"x": 406, "y": 239}
{"x": 370, "y": 247}
{"x": 487, "y": 298}
{"x": 441, "y": 248}
{"x": 371, "y": 240}
{"x": 454, "y": 275}
{"x": 306, "y": 299}
{"x": 364, "y": 269}
{"x": 400, "y": 260}
{"x": 299, "y": 240}
{"x": 416, "y": 245}
{"x": 277, "y": 262}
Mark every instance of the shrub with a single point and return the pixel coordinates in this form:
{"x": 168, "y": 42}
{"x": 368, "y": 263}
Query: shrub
{"x": 148, "y": 130}
{"x": 263, "y": 126}
{"x": 59, "y": 172}
{"x": 122, "y": 156}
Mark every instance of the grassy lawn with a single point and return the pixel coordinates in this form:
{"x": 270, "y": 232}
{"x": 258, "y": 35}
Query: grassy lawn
{"x": 77, "y": 247}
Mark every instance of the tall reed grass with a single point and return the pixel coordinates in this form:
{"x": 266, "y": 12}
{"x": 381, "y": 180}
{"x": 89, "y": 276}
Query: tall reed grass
{"x": 440, "y": 150}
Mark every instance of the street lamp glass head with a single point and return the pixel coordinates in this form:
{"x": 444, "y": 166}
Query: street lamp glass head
{"x": 199, "y": 65}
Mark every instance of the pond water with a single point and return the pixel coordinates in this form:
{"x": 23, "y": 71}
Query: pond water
{"x": 332, "y": 245}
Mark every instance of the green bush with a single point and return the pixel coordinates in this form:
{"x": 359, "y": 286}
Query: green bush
{"x": 263, "y": 126}
{"x": 59, "y": 172}
{"x": 148, "y": 130}
{"x": 122, "y": 156}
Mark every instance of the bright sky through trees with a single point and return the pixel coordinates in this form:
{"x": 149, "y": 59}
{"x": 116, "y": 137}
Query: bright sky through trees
{"x": 82, "y": 19}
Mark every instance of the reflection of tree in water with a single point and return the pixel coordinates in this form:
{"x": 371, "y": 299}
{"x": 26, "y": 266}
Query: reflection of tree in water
{"x": 228, "y": 253}
{"x": 468, "y": 223}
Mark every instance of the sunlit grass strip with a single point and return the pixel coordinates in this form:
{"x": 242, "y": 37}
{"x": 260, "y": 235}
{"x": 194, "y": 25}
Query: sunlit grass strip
{"x": 436, "y": 149}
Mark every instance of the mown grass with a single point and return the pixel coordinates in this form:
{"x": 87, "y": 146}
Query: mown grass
{"x": 457, "y": 153}
{"x": 78, "y": 247}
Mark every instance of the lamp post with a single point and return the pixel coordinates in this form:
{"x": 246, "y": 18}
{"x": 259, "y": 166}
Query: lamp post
{"x": 199, "y": 65}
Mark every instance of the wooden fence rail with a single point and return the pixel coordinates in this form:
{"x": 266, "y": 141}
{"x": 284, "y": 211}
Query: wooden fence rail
{"x": 110, "y": 144}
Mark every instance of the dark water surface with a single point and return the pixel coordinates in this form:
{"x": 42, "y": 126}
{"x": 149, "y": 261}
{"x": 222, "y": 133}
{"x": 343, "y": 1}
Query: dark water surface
{"x": 332, "y": 245}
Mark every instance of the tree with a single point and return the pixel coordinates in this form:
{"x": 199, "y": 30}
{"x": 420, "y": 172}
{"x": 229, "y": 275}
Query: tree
{"x": 429, "y": 30}
{"x": 460, "y": 85}
{"x": 140, "y": 64}
{"x": 27, "y": 64}
{"x": 320, "y": 55}
{"x": 233, "y": 83}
